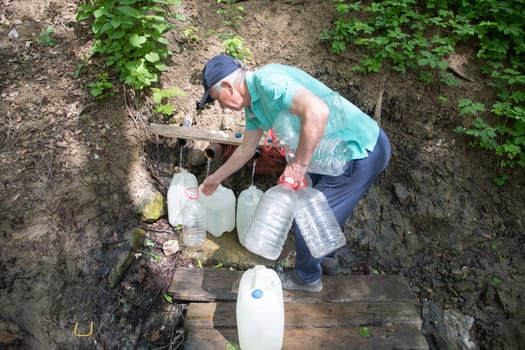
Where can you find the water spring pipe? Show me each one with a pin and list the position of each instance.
(213, 150)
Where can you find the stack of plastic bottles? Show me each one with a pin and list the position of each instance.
(330, 155)
(273, 217)
(188, 207)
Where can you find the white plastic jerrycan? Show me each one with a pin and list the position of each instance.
(177, 198)
(220, 210)
(260, 310)
(246, 205)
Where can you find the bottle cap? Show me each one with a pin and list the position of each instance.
(257, 294)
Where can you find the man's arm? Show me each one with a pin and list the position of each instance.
(239, 157)
(314, 115)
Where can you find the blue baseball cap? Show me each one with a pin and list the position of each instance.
(215, 70)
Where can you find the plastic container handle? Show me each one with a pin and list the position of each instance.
(289, 181)
(192, 192)
(271, 141)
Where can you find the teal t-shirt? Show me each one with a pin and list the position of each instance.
(272, 89)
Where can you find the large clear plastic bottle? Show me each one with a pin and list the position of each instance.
(177, 195)
(329, 158)
(316, 220)
(246, 205)
(271, 222)
(330, 155)
(193, 219)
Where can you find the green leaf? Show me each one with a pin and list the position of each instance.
(364, 331)
(152, 57)
(136, 40)
(129, 11)
(232, 346)
(116, 22)
(176, 91)
(161, 67)
(168, 298)
(165, 109)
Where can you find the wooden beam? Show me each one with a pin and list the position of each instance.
(222, 284)
(319, 315)
(379, 338)
(212, 136)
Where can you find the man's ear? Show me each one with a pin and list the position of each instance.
(227, 86)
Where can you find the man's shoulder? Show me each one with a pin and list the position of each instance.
(276, 68)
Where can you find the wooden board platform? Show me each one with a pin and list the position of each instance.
(212, 136)
(331, 319)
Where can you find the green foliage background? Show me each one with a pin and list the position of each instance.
(414, 35)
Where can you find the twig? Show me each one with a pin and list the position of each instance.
(379, 103)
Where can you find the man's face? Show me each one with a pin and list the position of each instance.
(229, 97)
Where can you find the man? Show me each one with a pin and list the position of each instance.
(265, 94)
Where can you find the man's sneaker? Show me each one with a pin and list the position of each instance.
(330, 266)
(290, 281)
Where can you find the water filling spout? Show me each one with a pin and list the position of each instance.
(214, 150)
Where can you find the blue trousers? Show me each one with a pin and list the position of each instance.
(342, 192)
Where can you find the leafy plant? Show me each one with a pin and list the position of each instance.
(46, 37)
(129, 33)
(189, 33)
(235, 47)
(161, 99)
(232, 14)
(101, 88)
(414, 35)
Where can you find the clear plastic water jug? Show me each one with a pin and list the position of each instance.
(330, 155)
(220, 210)
(329, 158)
(193, 219)
(267, 231)
(177, 195)
(246, 205)
(260, 310)
(316, 220)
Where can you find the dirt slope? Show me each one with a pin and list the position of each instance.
(73, 170)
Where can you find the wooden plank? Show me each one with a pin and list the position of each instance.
(204, 284)
(319, 315)
(381, 338)
(221, 284)
(174, 131)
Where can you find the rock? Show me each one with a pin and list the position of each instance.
(170, 247)
(125, 255)
(402, 194)
(13, 35)
(151, 207)
(450, 328)
(458, 328)
(10, 333)
(465, 286)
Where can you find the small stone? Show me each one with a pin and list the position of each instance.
(170, 247)
(13, 35)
